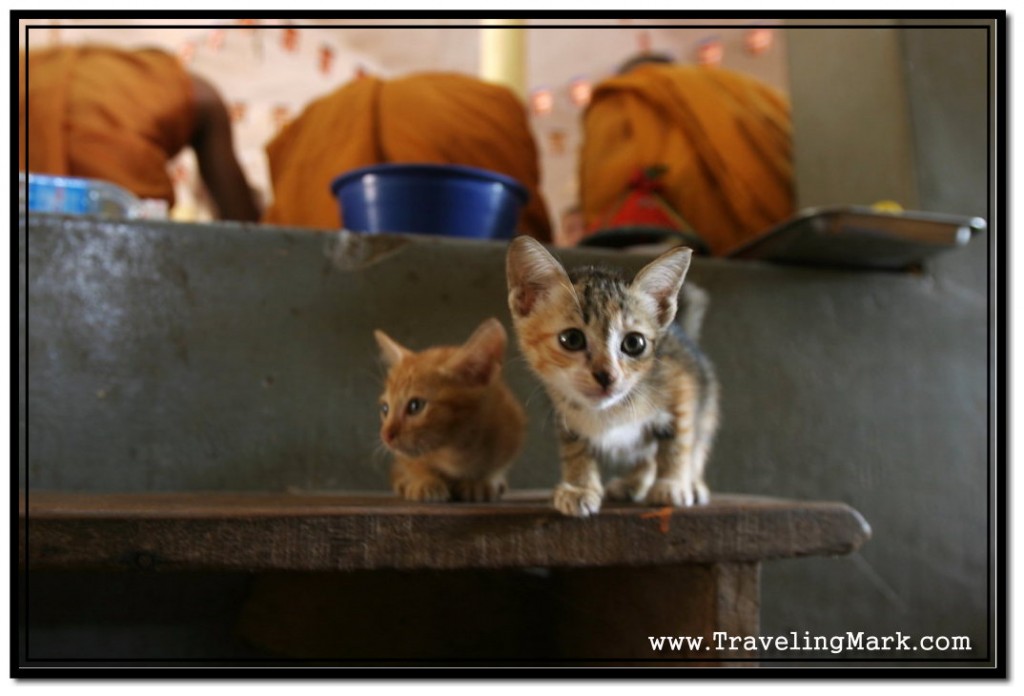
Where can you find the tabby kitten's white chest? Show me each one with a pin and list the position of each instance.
(623, 445)
(629, 387)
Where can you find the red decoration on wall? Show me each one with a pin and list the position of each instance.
(643, 41)
(280, 115)
(237, 110)
(579, 91)
(759, 40)
(710, 51)
(290, 39)
(556, 139)
(326, 58)
(542, 101)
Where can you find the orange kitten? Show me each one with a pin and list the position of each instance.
(449, 418)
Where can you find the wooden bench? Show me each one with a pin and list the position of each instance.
(610, 582)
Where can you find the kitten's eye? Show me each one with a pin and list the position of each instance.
(383, 409)
(572, 339)
(415, 406)
(634, 344)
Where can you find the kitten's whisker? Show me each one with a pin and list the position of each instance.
(516, 358)
(380, 451)
(539, 389)
(572, 289)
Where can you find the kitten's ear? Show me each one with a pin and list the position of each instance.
(532, 273)
(661, 280)
(391, 351)
(480, 357)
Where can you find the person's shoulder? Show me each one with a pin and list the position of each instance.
(644, 60)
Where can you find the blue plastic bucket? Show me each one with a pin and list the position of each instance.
(438, 199)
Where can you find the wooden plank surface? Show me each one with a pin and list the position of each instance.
(319, 531)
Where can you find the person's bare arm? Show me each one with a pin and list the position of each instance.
(218, 166)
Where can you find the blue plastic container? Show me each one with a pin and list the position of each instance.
(69, 195)
(437, 199)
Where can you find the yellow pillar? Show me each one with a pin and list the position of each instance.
(503, 53)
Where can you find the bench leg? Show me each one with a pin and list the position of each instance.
(613, 613)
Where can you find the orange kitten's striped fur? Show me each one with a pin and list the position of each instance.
(629, 387)
(448, 417)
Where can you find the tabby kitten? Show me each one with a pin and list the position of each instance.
(629, 387)
(449, 418)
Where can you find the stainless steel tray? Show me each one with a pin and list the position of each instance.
(861, 237)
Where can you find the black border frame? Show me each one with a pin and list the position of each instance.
(829, 668)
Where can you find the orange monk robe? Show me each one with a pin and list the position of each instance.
(105, 113)
(436, 118)
(724, 138)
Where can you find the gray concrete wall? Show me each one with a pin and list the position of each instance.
(852, 142)
(894, 112)
(901, 113)
(166, 357)
(949, 86)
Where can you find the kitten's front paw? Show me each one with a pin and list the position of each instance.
(625, 488)
(575, 501)
(480, 491)
(701, 492)
(428, 490)
(670, 492)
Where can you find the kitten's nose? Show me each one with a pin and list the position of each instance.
(603, 378)
(389, 435)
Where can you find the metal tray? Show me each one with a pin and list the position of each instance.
(861, 237)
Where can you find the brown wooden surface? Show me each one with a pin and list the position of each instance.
(610, 613)
(270, 531)
(596, 616)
